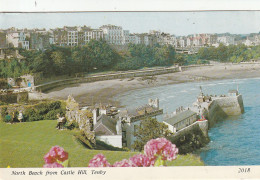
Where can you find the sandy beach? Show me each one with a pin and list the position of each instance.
(104, 91)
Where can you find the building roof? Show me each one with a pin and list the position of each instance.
(105, 125)
(138, 111)
(179, 117)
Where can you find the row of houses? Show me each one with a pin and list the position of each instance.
(80, 35)
(118, 128)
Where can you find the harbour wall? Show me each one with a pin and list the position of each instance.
(195, 135)
(223, 107)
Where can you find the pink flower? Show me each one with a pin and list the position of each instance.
(160, 147)
(49, 159)
(53, 165)
(123, 163)
(56, 153)
(99, 160)
(140, 160)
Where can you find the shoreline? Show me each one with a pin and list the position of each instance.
(106, 91)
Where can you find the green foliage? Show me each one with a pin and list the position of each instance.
(95, 56)
(149, 129)
(3, 112)
(44, 110)
(140, 56)
(231, 53)
(81, 137)
(3, 83)
(31, 115)
(71, 125)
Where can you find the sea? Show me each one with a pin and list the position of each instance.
(234, 140)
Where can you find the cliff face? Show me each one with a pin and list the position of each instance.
(191, 138)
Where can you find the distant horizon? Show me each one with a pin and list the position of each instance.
(174, 23)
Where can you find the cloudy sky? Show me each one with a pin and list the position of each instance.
(178, 23)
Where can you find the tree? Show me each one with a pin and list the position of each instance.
(149, 129)
(59, 61)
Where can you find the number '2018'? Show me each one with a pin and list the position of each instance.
(243, 170)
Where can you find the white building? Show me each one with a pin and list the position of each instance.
(113, 34)
(180, 120)
(131, 118)
(134, 39)
(257, 39)
(18, 39)
(86, 34)
(226, 40)
(125, 39)
(107, 129)
(72, 36)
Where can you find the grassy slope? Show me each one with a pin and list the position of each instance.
(25, 144)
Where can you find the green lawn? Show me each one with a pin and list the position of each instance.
(25, 144)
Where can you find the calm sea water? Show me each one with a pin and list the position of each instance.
(234, 140)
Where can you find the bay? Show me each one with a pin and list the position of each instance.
(234, 140)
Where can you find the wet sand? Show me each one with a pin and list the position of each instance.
(104, 91)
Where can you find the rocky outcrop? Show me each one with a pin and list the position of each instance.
(82, 118)
(191, 138)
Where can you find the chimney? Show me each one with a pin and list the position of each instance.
(118, 127)
(95, 113)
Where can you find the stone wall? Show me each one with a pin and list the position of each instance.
(232, 106)
(14, 97)
(213, 113)
(204, 126)
(74, 114)
(223, 107)
(192, 137)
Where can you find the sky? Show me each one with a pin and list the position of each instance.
(177, 23)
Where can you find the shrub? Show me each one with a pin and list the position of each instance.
(52, 115)
(44, 110)
(83, 140)
(71, 125)
(3, 112)
(31, 115)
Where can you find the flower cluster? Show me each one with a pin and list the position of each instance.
(160, 147)
(123, 163)
(55, 157)
(141, 160)
(156, 152)
(99, 160)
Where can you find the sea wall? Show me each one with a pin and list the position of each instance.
(109, 76)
